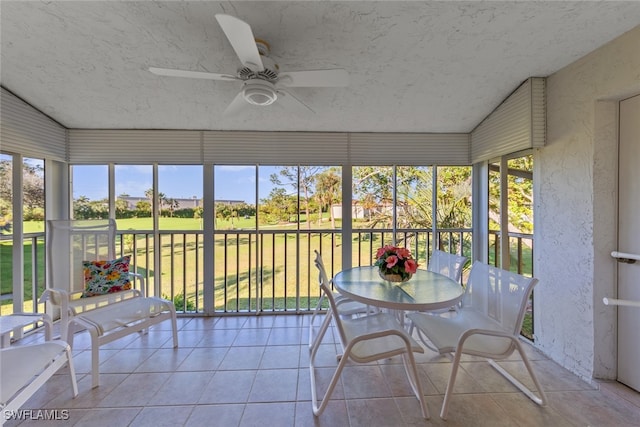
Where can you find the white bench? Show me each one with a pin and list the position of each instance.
(115, 320)
(72, 304)
(106, 317)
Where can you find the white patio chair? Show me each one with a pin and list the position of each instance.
(365, 339)
(346, 306)
(26, 368)
(487, 325)
(447, 264)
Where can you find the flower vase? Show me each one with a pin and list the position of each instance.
(397, 278)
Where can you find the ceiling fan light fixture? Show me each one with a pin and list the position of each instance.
(259, 92)
(262, 81)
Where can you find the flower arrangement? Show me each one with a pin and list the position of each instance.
(395, 264)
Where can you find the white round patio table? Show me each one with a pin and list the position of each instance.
(426, 290)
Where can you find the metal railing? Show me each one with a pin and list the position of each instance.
(33, 273)
(262, 270)
(258, 270)
(520, 250)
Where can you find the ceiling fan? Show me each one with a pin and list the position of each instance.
(262, 81)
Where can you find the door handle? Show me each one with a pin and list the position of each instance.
(625, 257)
(626, 302)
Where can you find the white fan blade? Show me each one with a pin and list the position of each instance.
(315, 78)
(290, 102)
(241, 38)
(191, 74)
(237, 105)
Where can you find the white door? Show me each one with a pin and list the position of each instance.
(629, 242)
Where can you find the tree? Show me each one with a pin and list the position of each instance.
(82, 208)
(520, 197)
(223, 211)
(245, 210)
(197, 212)
(173, 205)
(6, 182)
(278, 207)
(32, 189)
(303, 186)
(414, 195)
(143, 209)
(327, 192)
(454, 197)
(162, 199)
(6, 195)
(122, 207)
(376, 181)
(368, 203)
(100, 209)
(373, 188)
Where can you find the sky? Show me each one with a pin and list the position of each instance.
(230, 182)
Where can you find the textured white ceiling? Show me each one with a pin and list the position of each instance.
(414, 66)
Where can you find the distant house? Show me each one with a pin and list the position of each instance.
(357, 210)
(360, 212)
(228, 202)
(193, 202)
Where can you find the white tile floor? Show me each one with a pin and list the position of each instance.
(253, 371)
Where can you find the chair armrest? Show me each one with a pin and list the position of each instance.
(140, 277)
(385, 333)
(498, 347)
(58, 297)
(490, 332)
(54, 296)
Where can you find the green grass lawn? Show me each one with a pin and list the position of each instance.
(6, 273)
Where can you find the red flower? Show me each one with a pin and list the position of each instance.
(411, 266)
(403, 253)
(391, 261)
(388, 248)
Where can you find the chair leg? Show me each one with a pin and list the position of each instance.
(315, 342)
(174, 328)
(424, 339)
(313, 319)
(72, 372)
(450, 384)
(318, 409)
(314, 346)
(95, 358)
(414, 381)
(542, 400)
(65, 326)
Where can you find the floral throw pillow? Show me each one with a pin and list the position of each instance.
(104, 277)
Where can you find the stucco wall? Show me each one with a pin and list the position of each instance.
(575, 196)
